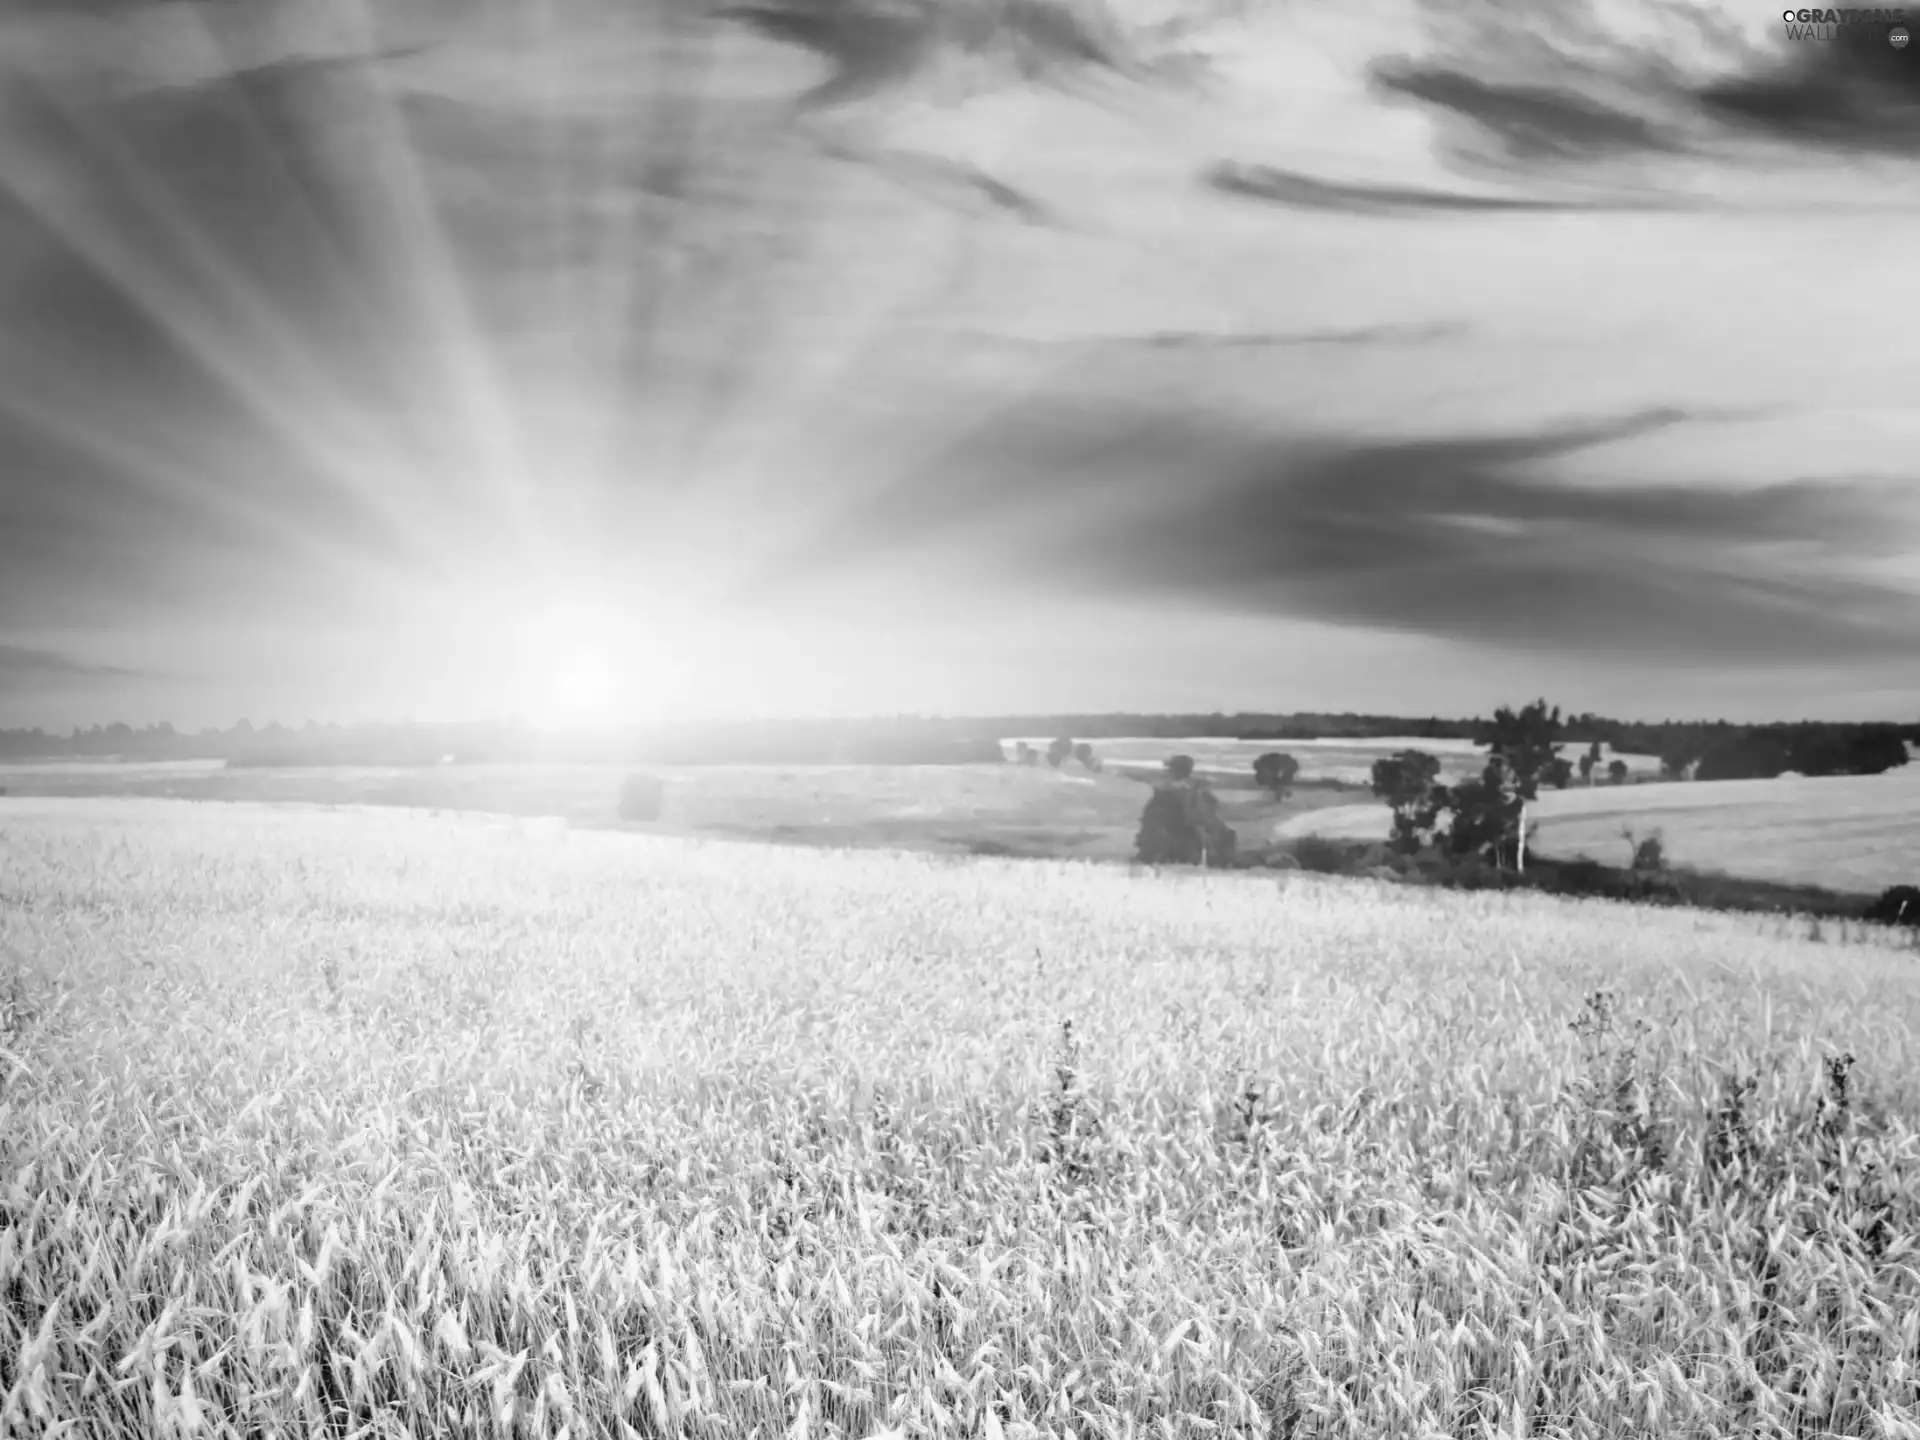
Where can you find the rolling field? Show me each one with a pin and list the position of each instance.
(397, 1124)
(1852, 832)
(960, 809)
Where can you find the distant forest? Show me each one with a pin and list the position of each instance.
(1706, 750)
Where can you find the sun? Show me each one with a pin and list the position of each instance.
(569, 666)
(583, 664)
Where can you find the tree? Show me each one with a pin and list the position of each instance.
(1180, 767)
(1274, 772)
(1522, 750)
(1083, 752)
(1897, 905)
(1486, 814)
(1060, 751)
(1588, 761)
(1747, 756)
(1409, 782)
(1875, 751)
(1025, 754)
(1181, 825)
(1617, 771)
(1674, 762)
(1528, 743)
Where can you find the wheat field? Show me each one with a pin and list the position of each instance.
(370, 1122)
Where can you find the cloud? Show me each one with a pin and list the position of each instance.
(22, 666)
(1531, 122)
(1474, 539)
(1850, 91)
(1303, 192)
(1544, 88)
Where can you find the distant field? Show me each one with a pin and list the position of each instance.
(998, 809)
(1855, 832)
(1349, 762)
(367, 1122)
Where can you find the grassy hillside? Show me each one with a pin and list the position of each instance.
(312, 1115)
(1855, 832)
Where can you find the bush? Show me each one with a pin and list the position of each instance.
(1474, 873)
(1897, 905)
(1060, 751)
(1322, 856)
(1649, 854)
(1582, 875)
(641, 797)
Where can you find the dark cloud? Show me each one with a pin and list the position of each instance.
(872, 45)
(24, 666)
(1539, 87)
(1213, 340)
(1850, 91)
(1532, 122)
(1303, 192)
(868, 47)
(1476, 539)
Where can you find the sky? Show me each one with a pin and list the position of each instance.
(590, 362)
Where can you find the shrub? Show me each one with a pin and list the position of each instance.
(641, 797)
(1060, 751)
(1582, 875)
(1617, 772)
(1473, 873)
(1897, 905)
(1083, 752)
(1649, 854)
(1321, 855)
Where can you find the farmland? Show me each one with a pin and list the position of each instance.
(413, 1124)
(1850, 833)
(994, 809)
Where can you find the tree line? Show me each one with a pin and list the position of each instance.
(1706, 750)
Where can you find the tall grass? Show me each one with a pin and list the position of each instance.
(333, 1122)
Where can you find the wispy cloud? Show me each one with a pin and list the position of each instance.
(1533, 122)
(1304, 192)
(1477, 539)
(23, 667)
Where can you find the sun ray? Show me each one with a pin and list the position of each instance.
(303, 416)
(433, 276)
